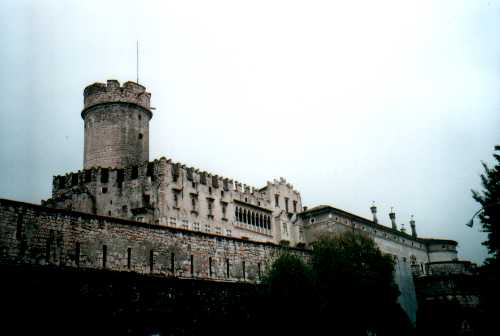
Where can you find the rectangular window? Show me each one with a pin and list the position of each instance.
(104, 175)
(243, 269)
(224, 209)
(151, 260)
(196, 226)
(228, 233)
(135, 172)
(294, 206)
(192, 265)
(74, 179)
(185, 224)
(104, 255)
(210, 266)
(286, 204)
(88, 176)
(129, 257)
(19, 228)
(210, 204)
(227, 268)
(120, 177)
(276, 200)
(77, 255)
(172, 263)
(172, 221)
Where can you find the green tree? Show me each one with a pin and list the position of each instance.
(489, 199)
(357, 285)
(348, 289)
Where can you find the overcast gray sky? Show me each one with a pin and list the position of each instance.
(395, 102)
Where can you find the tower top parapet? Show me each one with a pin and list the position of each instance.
(130, 92)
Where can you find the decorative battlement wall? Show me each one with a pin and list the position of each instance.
(31, 234)
(130, 92)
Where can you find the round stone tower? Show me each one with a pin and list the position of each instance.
(116, 124)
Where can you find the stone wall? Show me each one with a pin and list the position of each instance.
(31, 234)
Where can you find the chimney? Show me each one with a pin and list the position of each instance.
(392, 216)
(373, 208)
(413, 230)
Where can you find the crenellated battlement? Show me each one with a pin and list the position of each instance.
(130, 92)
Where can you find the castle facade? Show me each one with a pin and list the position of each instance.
(183, 221)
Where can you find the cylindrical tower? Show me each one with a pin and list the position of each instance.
(116, 124)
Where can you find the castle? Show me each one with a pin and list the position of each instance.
(125, 212)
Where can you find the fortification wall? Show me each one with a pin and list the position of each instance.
(43, 236)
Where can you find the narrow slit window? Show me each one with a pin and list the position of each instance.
(77, 254)
(104, 255)
(192, 265)
(210, 266)
(151, 260)
(129, 257)
(172, 263)
(227, 268)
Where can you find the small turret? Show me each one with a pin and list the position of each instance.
(392, 216)
(373, 208)
(403, 229)
(413, 230)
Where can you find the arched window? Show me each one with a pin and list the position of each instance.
(269, 222)
(245, 216)
(261, 221)
(236, 213)
(253, 218)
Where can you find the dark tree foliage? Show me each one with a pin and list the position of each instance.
(489, 199)
(349, 289)
(356, 284)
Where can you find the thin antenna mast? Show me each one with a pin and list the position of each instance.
(137, 58)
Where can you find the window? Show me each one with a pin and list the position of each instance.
(74, 179)
(218, 230)
(120, 176)
(210, 204)
(295, 207)
(185, 224)
(104, 175)
(224, 208)
(104, 255)
(286, 204)
(77, 255)
(176, 199)
(104, 190)
(207, 228)
(151, 260)
(193, 203)
(135, 172)
(222, 193)
(173, 221)
(196, 226)
(140, 136)
(88, 176)
(228, 232)
(276, 200)
(129, 257)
